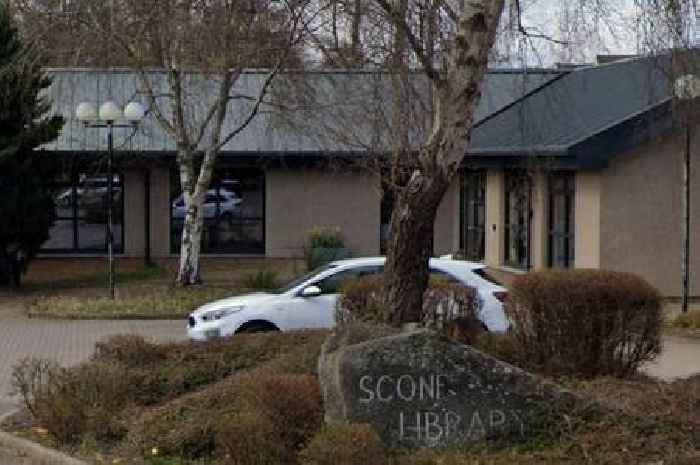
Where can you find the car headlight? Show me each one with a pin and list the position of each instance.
(220, 313)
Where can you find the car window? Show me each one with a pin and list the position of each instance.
(481, 272)
(334, 284)
(305, 277)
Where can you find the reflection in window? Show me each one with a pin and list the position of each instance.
(473, 214)
(234, 212)
(561, 220)
(81, 214)
(517, 219)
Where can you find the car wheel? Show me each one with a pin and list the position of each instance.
(257, 327)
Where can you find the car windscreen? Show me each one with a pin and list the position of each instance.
(296, 281)
(481, 272)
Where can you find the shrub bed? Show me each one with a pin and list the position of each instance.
(267, 410)
(126, 372)
(585, 322)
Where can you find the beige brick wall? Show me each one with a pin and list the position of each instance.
(299, 199)
(640, 214)
(160, 212)
(134, 213)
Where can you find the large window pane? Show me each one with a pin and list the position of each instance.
(517, 219)
(233, 212)
(60, 236)
(561, 220)
(81, 210)
(473, 214)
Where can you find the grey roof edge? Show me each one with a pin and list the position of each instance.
(624, 136)
(575, 149)
(319, 71)
(629, 117)
(537, 89)
(536, 150)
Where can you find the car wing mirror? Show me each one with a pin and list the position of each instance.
(311, 291)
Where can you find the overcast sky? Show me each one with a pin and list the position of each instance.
(590, 27)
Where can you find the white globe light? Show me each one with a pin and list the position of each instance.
(109, 111)
(86, 112)
(134, 112)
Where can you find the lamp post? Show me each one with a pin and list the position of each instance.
(110, 116)
(686, 88)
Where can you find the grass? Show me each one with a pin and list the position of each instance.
(72, 289)
(140, 302)
(95, 279)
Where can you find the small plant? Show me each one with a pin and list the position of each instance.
(345, 444)
(261, 280)
(323, 245)
(325, 238)
(585, 322)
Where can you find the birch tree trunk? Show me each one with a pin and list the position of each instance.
(423, 182)
(195, 184)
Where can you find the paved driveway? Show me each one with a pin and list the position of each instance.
(69, 342)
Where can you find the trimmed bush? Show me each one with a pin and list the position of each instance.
(345, 444)
(292, 402)
(89, 399)
(443, 301)
(585, 322)
(250, 439)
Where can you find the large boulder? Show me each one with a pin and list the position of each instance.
(418, 389)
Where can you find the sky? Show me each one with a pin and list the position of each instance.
(590, 27)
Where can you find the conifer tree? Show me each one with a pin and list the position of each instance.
(26, 204)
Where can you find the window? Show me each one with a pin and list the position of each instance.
(517, 219)
(562, 188)
(80, 200)
(473, 215)
(234, 212)
(335, 283)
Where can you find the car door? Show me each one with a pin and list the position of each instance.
(319, 311)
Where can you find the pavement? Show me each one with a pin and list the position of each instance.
(680, 358)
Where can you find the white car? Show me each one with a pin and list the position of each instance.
(309, 301)
(218, 204)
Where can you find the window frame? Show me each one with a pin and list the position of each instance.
(468, 214)
(73, 183)
(218, 183)
(517, 180)
(569, 234)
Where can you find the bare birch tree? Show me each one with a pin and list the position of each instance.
(203, 49)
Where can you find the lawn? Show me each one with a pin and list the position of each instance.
(142, 301)
(76, 289)
(254, 399)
